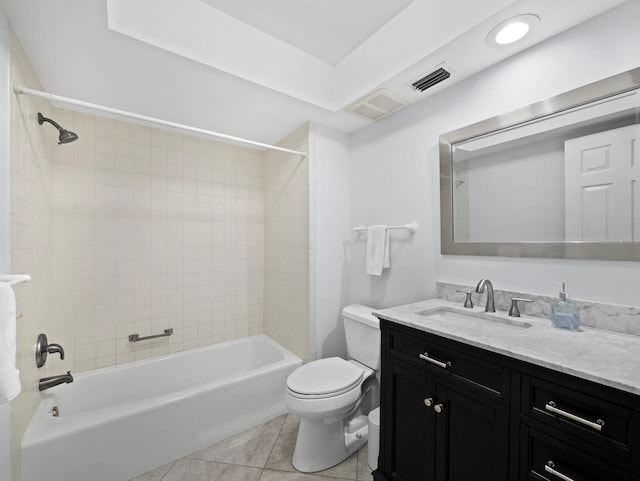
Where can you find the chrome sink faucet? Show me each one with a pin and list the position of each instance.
(490, 306)
(48, 382)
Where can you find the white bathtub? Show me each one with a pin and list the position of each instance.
(119, 422)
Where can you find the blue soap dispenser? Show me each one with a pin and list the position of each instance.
(564, 312)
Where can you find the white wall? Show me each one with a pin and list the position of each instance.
(395, 174)
(332, 238)
(530, 209)
(5, 410)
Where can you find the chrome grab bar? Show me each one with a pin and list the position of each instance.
(425, 357)
(551, 407)
(136, 337)
(549, 468)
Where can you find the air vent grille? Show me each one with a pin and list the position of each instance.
(430, 80)
(377, 105)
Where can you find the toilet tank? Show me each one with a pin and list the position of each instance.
(362, 330)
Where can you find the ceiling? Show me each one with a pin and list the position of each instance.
(307, 24)
(259, 69)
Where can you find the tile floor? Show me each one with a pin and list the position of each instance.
(262, 453)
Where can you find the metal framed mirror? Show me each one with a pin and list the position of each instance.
(559, 178)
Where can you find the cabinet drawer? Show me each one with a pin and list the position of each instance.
(446, 360)
(571, 408)
(544, 458)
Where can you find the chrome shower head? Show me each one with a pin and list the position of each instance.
(65, 136)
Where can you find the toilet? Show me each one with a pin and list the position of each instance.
(333, 396)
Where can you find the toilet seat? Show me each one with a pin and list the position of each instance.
(324, 378)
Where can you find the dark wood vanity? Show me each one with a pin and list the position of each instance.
(455, 412)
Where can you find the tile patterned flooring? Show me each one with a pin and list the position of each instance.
(262, 453)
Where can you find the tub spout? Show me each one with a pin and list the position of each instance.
(47, 382)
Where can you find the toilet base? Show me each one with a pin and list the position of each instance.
(321, 445)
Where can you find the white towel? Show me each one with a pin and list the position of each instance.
(377, 249)
(9, 375)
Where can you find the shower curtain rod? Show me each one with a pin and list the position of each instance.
(122, 113)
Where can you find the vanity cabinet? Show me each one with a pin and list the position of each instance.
(444, 418)
(455, 412)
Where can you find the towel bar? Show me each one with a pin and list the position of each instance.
(411, 227)
(13, 279)
(136, 337)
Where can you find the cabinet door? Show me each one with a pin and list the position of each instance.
(410, 442)
(473, 441)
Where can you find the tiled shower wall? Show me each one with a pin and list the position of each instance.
(287, 317)
(30, 237)
(153, 230)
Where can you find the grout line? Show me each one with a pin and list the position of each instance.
(275, 442)
(165, 474)
(262, 469)
(308, 476)
(170, 468)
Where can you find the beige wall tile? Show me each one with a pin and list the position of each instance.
(157, 240)
(286, 247)
(31, 184)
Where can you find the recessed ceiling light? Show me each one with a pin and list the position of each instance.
(512, 30)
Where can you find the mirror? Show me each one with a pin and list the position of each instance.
(559, 178)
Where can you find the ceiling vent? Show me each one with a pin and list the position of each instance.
(431, 79)
(377, 105)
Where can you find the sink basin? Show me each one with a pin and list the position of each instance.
(473, 320)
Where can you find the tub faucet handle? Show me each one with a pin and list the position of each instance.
(55, 348)
(43, 348)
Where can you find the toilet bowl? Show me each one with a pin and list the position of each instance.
(325, 388)
(334, 396)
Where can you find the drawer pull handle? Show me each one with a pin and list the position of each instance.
(438, 408)
(549, 469)
(551, 407)
(428, 402)
(425, 357)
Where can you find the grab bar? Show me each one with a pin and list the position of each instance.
(136, 337)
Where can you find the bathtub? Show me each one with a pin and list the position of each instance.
(119, 422)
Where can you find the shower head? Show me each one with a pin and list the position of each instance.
(65, 136)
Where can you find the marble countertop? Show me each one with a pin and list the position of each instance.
(605, 357)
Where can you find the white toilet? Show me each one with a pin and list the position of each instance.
(333, 397)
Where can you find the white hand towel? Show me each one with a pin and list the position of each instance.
(9, 375)
(378, 257)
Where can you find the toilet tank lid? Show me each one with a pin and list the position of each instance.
(361, 313)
